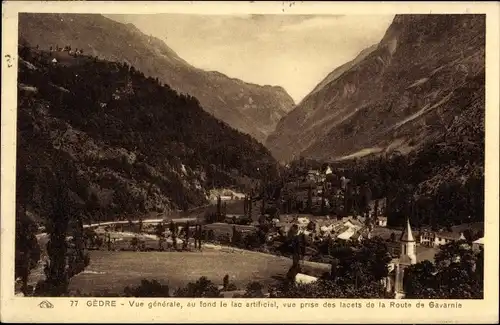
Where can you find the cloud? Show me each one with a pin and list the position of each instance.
(312, 23)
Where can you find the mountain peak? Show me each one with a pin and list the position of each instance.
(395, 95)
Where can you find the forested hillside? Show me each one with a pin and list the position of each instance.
(119, 142)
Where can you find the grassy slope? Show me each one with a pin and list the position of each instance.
(113, 271)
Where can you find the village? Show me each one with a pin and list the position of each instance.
(268, 222)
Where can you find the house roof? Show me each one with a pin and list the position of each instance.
(356, 236)
(479, 241)
(407, 235)
(346, 234)
(448, 235)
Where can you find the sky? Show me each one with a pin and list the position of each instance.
(292, 51)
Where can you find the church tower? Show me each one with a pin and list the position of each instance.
(407, 257)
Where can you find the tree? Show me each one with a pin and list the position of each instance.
(236, 237)
(323, 202)
(456, 274)
(173, 231)
(254, 290)
(160, 233)
(78, 258)
(108, 238)
(56, 276)
(27, 248)
(245, 205)
(140, 224)
(329, 289)
(419, 280)
(148, 288)
(188, 233)
(90, 238)
(219, 208)
(202, 288)
(250, 206)
(309, 199)
(134, 243)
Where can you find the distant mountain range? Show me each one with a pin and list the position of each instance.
(249, 108)
(424, 81)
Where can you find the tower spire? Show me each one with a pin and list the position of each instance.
(407, 235)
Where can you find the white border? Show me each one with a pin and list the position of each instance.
(15, 309)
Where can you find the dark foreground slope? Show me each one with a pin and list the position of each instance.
(425, 74)
(249, 108)
(120, 142)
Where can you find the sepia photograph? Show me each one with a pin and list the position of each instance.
(182, 155)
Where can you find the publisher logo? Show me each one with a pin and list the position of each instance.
(45, 304)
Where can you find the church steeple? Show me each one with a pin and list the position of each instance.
(407, 235)
(407, 257)
(408, 246)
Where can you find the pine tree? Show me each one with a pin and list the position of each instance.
(57, 280)
(173, 230)
(309, 199)
(219, 208)
(250, 207)
(186, 243)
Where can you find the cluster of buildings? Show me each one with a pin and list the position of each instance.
(62, 51)
(320, 228)
(66, 49)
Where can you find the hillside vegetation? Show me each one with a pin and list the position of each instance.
(119, 142)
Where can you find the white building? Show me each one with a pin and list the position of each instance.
(382, 221)
(478, 244)
(434, 239)
(301, 278)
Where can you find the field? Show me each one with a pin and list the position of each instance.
(111, 272)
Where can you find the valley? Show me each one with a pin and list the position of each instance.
(140, 175)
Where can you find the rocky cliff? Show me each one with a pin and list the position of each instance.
(419, 83)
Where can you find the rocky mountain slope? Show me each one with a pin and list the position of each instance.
(118, 142)
(249, 108)
(423, 81)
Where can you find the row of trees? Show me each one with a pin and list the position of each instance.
(174, 232)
